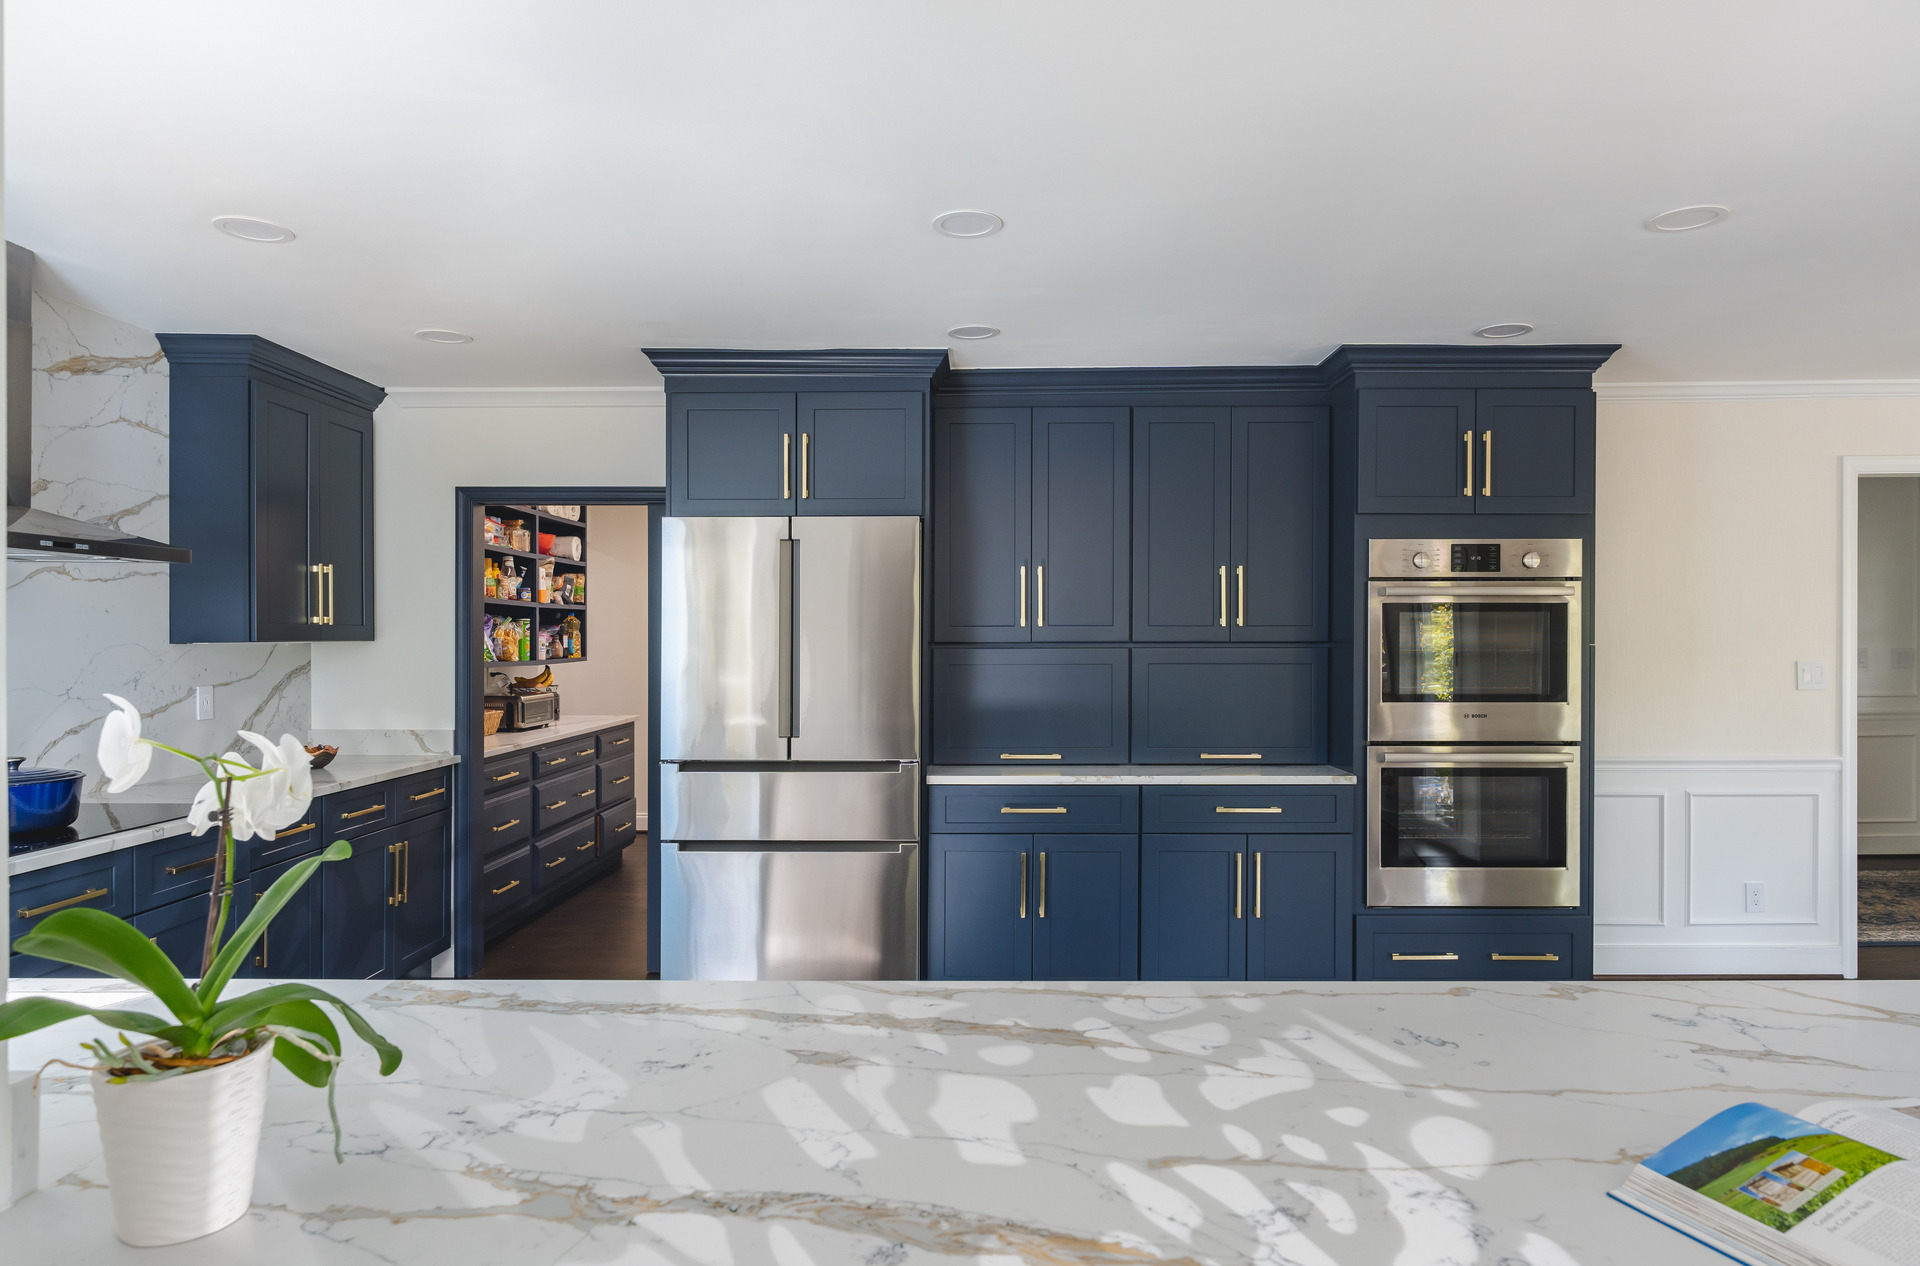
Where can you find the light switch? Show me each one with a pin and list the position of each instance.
(1756, 898)
(1863, 657)
(1810, 674)
(203, 703)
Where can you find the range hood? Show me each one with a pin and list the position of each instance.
(34, 535)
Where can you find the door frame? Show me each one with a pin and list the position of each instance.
(1852, 471)
(469, 933)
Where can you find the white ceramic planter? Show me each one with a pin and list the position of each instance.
(180, 1151)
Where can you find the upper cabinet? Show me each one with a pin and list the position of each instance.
(796, 433)
(1230, 524)
(1030, 524)
(272, 489)
(1484, 451)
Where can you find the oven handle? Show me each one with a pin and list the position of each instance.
(1491, 758)
(1519, 592)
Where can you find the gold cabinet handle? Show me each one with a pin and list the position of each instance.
(1227, 808)
(361, 813)
(319, 615)
(406, 871)
(804, 437)
(623, 778)
(1486, 475)
(622, 742)
(1040, 596)
(511, 773)
(507, 825)
(511, 885)
(1425, 958)
(393, 897)
(1043, 886)
(88, 895)
(558, 805)
(1223, 596)
(293, 830)
(624, 826)
(181, 870)
(1229, 756)
(1023, 595)
(1023, 885)
(1238, 884)
(584, 847)
(1468, 490)
(428, 795)
(584, 794)
(1029, 756)
(332, 610)
(558, 760)
(1240, 579)
(1007, 808)
(1525, 958)
(588, 752)
(560, 860)
(1257, 858)
(786, 465)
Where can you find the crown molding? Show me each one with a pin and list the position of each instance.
(527, 397)
(720, 362)
(1785, 389)
(224, 355)
(1080, 382)
(1351, 358)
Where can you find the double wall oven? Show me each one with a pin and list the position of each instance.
(1474, 722)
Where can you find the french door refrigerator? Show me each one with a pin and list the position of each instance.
(789, 748)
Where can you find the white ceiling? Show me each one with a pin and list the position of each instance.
(1218, 183)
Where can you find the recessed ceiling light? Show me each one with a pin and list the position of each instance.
(1680, 219)
(1509, 329)
(968, 223)
(250, 229)
(972, 331)
(443, 336)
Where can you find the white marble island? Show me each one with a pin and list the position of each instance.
(1065, 1124)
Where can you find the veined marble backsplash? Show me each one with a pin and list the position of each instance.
(78, 629)
(387, 742)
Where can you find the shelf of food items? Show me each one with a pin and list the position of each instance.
(531, 562)
(506, 639)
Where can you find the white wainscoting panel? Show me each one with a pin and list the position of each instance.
(1675, 844)
(1889, 781)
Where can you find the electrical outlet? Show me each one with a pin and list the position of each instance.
(203, 703)
(1756, 898)
(1810, 674)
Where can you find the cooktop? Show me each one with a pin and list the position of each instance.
(97, 819)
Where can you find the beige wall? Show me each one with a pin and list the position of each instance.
(614, 677)
(1718, 565)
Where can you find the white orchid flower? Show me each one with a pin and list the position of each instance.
(280, 797)
(124, 755)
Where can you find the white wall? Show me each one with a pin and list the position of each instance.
(1889, 721)
(1718, 541)
(399, 688)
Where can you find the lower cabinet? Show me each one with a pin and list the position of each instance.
(1033, 907)
(386, 906)
(420, 921)
(290, 947)
(179, 928)
(1245, 907)
(1477, 946)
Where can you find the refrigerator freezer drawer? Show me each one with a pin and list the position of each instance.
(879, 803)
(794, 912)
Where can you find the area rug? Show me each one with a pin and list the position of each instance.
(1889, 906)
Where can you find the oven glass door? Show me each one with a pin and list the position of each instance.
(1473, 827)
(1475, 663)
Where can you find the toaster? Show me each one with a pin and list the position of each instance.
(528, 709)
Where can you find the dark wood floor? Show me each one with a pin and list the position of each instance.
(1889, 962)
(599, 933)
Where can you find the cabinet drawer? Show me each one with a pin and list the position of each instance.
(180, 928)
(559, 857)
(1025, 810)
(617, 779)
(561, 758)
(505, 820)
(560, 800)
(170, 870)
(619, 825)
(353, 813)
(420, 794)
(1229, 705)
(617, 742)
(505, 884)
(1474, 948)
(506, 771)
(1034, 706)
(298, 840)
(96, 883)
(1247, 810)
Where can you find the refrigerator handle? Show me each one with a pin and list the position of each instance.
(786, 634)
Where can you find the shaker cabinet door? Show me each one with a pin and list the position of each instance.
(1080, 525)
(288, 595)
(982, 525)
(354, 944)
(1086, 922)
(421, 917)
(1280, 525)
(1225, 706)
(859, 452)
(342, 532)
(1182, 495)
(732, 453)
(1536, 452)
(1193, 906)
(290, 947)
(1299, 928)
(1414, 448)
(980, 907)
(1029, 706)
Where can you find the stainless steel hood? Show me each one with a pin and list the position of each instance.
(33, 535)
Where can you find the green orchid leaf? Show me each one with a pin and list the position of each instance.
(28, 1015)
(235, 951)
(102, 942)
(244, 1012)
(304, 1015)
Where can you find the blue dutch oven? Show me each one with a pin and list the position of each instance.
(41, 799)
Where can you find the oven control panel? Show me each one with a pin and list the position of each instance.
(1514, 559)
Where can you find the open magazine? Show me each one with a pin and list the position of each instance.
(1830, 1187)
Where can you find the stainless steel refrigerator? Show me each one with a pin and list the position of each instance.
(790, 748)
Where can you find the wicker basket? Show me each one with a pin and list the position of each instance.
(491, 725)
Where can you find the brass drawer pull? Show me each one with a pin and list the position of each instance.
(1525, 958)
(624, 826)
(1029, 756)
(1226, 808)
(555, 862)
(181, 870)
(623, 778)
(623, 742)
(507, 825)
(511, 885)
(584, 847)
(511, 773)
(361, 813)
(558, 760)
(1229, 756)
(428, 795)
(1426, 958)
(1007, 808)
(1023, 885)
(1239, 885)
(560, 805)
(37, 911)
(294, 830)
(1257, 884)
(588, 752)
(584, 794)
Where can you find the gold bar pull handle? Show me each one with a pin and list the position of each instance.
(1043, 886)
(804, 437)
(1256, 883)
(508, 825)
(1240, 579)
(393, 897)
(1223, 596)
(511, 885)
(332, 608)
(1525, 958)
(406, 872)
(1023, 885)
(428, 795)
(1023, 595)
(1468, 490)
(183, 869)
(1486, 475)
(1426, 958)
(318, 612)
(1029, 756)
(37, 911)
(1007, 808)
(786, 472)
(1238, 882)
(560, 860)
(1228, 808)
(361, 813)
(1040, 596)
(511, 773)
(1229, 756)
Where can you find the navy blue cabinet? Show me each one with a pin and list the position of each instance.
(1193, 904)
(1242, 704)
(1280, 525)
(982, 524)
(354, 944)
(1488, 451)
(290, 947)
(1299, 928)
(1536, 452)
(1473, 946)
(732, 452)
(1033, 704)
(1414, 448)
(1182, 523)
(978, 908)
(1086, 907)
(1080, 497)
(1042, 907)
(419, 922)
(860, 452)
(272, 490)
(96, 883)
(180, 927)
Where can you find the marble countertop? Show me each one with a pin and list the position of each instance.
(565, 728)
(1077, 1125)
(1137, 775)
(345, 773)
